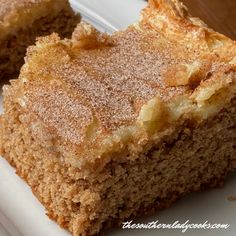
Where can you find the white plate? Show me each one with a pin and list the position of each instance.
(22, 215)
(109, 15)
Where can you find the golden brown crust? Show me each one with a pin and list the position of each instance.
(98, 94)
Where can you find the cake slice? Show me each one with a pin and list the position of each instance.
(104, 128)
(21, 21)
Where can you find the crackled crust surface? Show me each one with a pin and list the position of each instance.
(97, 94)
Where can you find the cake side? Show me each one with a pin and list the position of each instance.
(24, 22)
(189, 159)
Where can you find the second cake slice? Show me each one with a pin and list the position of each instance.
(21, 21)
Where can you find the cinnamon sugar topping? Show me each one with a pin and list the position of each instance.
(105, 80)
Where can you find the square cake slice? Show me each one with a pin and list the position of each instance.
(104, 128)
(21, 21)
